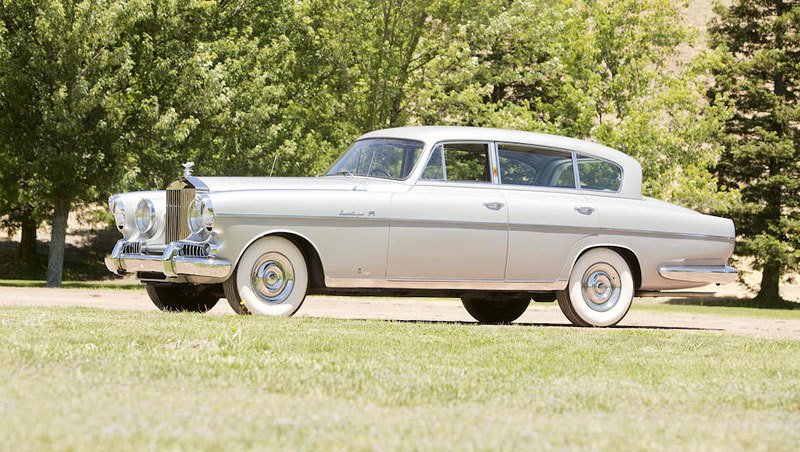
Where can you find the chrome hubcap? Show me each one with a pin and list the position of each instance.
(601, 287)
(272, 278)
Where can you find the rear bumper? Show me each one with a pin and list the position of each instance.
(699, 273)
(171, 263)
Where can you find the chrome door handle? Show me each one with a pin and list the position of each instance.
(585, 210)
(494, 205)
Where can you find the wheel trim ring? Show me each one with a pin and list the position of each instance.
(272, 278)
(601, 287)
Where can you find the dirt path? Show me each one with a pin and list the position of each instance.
(406, 309)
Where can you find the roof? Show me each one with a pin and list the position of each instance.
(632, 170)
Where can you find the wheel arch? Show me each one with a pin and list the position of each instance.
(316, 272)
(630, 258)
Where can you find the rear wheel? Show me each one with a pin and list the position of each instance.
(600, 289)
(270, 279)
(181, 297)
(496, 311)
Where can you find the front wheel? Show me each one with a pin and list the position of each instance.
(600, 289)
(270, 279)
(496, 311)
(181, 297)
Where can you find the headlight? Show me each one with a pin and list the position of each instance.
(118, 210)
(145, 217)
(201, 215)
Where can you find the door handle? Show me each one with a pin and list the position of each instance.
(585, 210)
(494, 205)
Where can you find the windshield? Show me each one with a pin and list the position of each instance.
(379, 157)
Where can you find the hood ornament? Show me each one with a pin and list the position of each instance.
(187, 169)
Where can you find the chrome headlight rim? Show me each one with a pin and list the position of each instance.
(145, 217)
(117, 208)
(201, 215)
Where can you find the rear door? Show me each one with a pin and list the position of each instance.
(547, 213)
(453, 224)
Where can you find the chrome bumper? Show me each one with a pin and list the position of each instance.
(170, 263)
(699, 273)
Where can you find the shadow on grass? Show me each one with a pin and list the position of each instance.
(72, 284)
(83, 262)
(538, 324)
(732, 302)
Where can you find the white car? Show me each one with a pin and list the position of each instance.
(494, 217)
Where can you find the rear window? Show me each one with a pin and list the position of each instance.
(528, 165)
(601, 175)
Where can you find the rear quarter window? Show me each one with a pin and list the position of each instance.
(600, 175)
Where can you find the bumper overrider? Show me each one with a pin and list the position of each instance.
(172, 262)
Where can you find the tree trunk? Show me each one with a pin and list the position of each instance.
(769, 293)
(55, 260)
(27, 244)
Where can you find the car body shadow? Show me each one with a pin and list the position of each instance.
(537, 324)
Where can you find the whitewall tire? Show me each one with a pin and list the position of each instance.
(270, 279)
(600, 289)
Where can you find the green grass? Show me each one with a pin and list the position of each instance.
(73, 284)
(717, 307)
(81, 379)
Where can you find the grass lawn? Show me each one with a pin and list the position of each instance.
(718, 307)
(73, 378)
(134, 285)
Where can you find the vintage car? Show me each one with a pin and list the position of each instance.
(494, 217)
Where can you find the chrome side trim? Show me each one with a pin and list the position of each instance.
(594, 230)
(421, 222)
(300, 216)
(454, 284)
(699, 273)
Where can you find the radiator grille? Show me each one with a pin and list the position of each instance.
(178, 200)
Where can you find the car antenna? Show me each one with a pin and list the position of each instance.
(274, 161)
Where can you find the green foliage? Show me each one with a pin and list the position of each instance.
(231, 86)
(596, 70)
(759, 42)
(64, 78)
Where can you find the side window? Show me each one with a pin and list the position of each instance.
(596, 174)
(464, 162)
(528, 165)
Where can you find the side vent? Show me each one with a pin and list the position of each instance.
(132, 248)
(195, 250)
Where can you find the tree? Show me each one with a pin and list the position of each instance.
(65, 76)
(602, 70)
(17, 210)
(760, 41)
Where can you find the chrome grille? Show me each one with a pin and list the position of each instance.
(178, 200)
(193, 250)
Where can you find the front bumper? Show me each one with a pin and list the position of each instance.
(171, 263)
(722, 274)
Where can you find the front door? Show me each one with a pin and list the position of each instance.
(453, 225)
